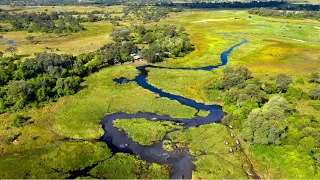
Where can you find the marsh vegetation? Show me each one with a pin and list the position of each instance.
(57, 85)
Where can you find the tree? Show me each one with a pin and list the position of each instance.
(4, 77)
(13, 50)
(18, 94)
(152, 54)
(234, 77)
(307, 144)
(315, 77)
(1, 54)
(283, 82)
(315, 93)
(67, 86)
(267, 125)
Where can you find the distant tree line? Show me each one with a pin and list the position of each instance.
(251, 4)
(42, 22)
(285, 14)
(279, 4)
(148, 14)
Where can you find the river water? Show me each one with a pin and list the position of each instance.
(180, 161)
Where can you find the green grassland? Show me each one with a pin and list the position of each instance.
(286, 162)
(305, 1)
(94, 37)
(145, 132)
(77, 117)
(54, 161)
(214, 161)
(124, 166)
(191, 84)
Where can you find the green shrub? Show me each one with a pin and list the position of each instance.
(19, 120)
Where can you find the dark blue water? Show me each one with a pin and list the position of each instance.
(180, 160)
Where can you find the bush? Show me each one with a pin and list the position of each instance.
(315, 93)
(12, 138)
(19, 120)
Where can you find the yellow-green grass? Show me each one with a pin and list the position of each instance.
(305, 1)
(54, 161)
(214, 161)
(125, 166)
(266, 54)
(274, 162)
(190, 84)
(80, 117)
(94, 37)
(143, 131)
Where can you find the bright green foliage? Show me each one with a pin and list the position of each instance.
(80, 117)
(76, 156)
(125, 166)
(204, 139)
(143, 131)
(203, 113)
(267, 125)
(315, 93)
(53, 163)
(295, 93)
(217, 167)
(283, 82)
(19, 120)
(284, 162)
(234, 77)
(315, 77)
(209, 140)
(271, 88)
(307, 144)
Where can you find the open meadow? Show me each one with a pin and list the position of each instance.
(72, 124)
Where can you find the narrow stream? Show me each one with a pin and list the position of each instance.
(180, 161)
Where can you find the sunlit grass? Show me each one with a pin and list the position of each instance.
(143, 131)
(214, 161)
(94, 37)
(190, 84)
(125, 166)
(80, 117)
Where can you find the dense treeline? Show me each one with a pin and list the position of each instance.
(279, 4)
(55, 22)
(41, 79)
(39, 2)
(286, 14)
(155, 44)
(43, 22)
(148, 14)
(251, 4)
(264, 112)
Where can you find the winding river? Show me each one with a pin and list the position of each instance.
(180, 161)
